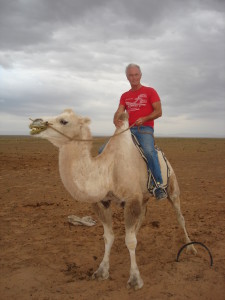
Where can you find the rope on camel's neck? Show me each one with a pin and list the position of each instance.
(91, 140)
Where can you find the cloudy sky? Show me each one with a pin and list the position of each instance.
(57, 54)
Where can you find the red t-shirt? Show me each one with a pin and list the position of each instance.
(139, 104)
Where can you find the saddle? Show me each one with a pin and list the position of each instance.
(165, 171)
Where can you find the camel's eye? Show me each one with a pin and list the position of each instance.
(63, 122)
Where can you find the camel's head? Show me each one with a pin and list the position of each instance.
(61, 129)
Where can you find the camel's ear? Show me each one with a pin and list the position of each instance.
(84, 120)
(68, 110)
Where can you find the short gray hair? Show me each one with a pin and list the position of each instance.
(132, 66)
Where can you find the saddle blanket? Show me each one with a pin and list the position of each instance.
(165, 171)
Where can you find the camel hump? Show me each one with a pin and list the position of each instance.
(123, 116)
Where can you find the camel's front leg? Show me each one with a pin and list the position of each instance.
(132, 215)
(104, 214)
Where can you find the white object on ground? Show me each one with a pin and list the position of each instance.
(87, 220)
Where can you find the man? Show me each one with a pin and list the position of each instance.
(143, 106)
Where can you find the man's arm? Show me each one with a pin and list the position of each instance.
(157, 112)
(119, 111)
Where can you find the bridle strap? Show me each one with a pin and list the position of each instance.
(49, 125)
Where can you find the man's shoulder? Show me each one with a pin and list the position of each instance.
(148, 89)
(151, 92)
(125, 94)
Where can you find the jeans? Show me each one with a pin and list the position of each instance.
(146, 140)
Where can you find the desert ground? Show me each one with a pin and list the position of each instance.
(43, 257)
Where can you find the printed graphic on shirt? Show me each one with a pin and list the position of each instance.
(134, 104)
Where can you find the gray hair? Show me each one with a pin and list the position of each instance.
(132, 66)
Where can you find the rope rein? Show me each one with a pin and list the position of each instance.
(48, 125)
(91, 140)
(86, 140)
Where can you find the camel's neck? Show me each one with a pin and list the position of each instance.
(82, 174)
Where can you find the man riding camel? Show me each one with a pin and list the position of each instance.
(143, 106)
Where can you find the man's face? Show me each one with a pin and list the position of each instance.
(134, 76)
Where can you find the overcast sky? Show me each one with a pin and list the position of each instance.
(57, 54)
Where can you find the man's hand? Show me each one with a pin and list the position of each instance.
(157, 112)
(117, 122)
(140, 121)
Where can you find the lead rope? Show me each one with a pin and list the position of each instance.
(87, 140)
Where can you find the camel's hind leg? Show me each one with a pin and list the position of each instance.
(174, 197)
(132, 215)
(103, 211)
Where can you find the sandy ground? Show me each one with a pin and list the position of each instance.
(43, 257)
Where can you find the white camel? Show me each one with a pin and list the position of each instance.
(118, 173)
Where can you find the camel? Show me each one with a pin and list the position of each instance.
(118, 174)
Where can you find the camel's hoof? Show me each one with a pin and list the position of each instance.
(101, 274)
(135, 282)
(191, 249)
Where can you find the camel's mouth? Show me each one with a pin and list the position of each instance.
(37, 126)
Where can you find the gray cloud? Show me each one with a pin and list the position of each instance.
(56, 54)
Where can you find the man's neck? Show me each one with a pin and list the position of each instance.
(136, 87)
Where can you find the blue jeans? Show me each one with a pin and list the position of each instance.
(146, 140)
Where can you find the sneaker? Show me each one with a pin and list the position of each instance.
(160, 193)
